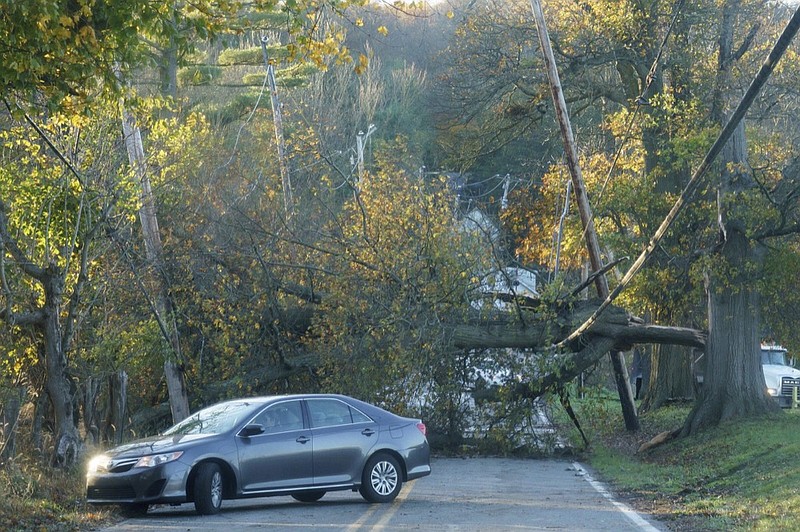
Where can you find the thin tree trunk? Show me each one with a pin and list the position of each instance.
(115, 424)
(59, 383)
(670, 376)
(8, 423)
(91, 390)
(164, 311)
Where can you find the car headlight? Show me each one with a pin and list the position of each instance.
(98, 463)
(772, 391)
(158, 459)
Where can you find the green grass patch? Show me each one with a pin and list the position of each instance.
(739, 476)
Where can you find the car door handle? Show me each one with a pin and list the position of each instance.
(367, 432)
(303, 439)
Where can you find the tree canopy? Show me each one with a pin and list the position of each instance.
(420, 154)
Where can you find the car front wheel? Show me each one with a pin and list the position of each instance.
(382, 479)
(208, 489)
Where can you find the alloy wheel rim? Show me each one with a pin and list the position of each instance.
(384, 478)
(216, 490)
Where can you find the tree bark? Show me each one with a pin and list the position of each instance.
(115, 423)
(8, 423)
(59, 383)
(163, 310)
(670, 376)
(91, 390)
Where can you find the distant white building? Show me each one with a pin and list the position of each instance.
(501, 285)
(476, 222)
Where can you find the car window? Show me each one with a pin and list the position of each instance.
(281, 417)
(330, 412)
(212, 420)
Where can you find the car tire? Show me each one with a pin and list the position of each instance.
(136, 509)
(208, 489)
(382, 478)
(308, 496)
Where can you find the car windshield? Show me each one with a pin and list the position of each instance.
(211, 420)
(776, 357)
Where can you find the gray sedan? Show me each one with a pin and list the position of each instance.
(298, 445)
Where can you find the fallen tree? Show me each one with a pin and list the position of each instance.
(615, 329)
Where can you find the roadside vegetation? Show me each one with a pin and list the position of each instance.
(34, 497)
(736, 476)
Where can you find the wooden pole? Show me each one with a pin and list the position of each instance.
(288, 200)
(584, 208)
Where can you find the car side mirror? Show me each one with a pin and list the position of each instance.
(251, 430)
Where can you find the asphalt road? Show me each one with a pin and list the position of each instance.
(494, 494)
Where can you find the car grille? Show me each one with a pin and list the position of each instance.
(787, 383)
(115, 493)
(118, 466)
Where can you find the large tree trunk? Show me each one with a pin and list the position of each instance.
(733, 384)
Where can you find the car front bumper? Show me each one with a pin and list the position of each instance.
(165, 483)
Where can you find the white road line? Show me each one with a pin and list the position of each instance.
(629, 512)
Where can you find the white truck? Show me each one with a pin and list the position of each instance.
(780, 376)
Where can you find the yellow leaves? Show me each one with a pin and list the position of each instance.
(359, 23)
(43, 23)
(383, 30)
(363, 63)
(449, 14)
(86, 35)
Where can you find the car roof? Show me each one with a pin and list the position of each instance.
(367, 408)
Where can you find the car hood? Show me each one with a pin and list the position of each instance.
(157, 444)
(776, 371)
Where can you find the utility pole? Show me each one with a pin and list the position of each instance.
(504, 201)
(277, 120)
(584, 208)
(361, 138)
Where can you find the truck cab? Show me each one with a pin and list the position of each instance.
(780, 376)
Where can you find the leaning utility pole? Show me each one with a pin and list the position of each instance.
(361, 138)
(279, 140)
(592, 244)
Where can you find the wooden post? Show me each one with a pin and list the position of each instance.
(584, 208)
(288, 200)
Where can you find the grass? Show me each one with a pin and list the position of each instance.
(738, 476)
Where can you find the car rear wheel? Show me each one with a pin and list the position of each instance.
(382, 479)
(308, 496)
(208, 489)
